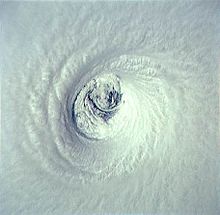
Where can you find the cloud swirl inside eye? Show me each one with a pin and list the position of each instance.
(95, 105)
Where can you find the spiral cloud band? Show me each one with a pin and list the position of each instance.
(110, 124)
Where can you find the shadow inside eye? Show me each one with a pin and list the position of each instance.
(95, 104)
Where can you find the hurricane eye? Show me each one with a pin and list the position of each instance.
(95, 105)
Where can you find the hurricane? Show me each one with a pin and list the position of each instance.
(110, 107)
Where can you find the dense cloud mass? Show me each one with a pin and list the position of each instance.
(110, 107)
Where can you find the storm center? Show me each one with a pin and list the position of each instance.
(95, 106)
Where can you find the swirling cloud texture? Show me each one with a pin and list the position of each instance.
(110, 107)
